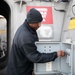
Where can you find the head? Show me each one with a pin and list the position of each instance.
(35, 26)
(34, 18)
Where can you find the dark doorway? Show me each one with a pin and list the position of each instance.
(4, 47)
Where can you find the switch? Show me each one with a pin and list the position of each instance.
(68, 60)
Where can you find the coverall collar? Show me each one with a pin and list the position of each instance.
(29, 28)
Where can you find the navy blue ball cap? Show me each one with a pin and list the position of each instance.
(34, 16)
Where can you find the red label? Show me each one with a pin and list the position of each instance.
(46, 13)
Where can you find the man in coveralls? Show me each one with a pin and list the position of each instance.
(24, 51)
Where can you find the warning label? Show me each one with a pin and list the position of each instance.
(46, 13)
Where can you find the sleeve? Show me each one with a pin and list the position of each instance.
(30, 51)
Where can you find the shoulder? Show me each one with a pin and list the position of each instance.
(25, 37)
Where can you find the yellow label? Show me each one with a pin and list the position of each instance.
(72, 24)
(2, 31)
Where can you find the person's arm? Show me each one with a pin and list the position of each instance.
(30, 51)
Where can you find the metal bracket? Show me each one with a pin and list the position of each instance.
(21, 3)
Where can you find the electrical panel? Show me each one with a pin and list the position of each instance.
(61, 65)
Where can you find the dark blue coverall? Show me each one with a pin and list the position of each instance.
(24, 52)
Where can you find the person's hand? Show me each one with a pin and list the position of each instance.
(60, 53)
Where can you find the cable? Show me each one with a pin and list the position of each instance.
(65, 0)
(73, 10)
(61, 10)
(47, 0)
